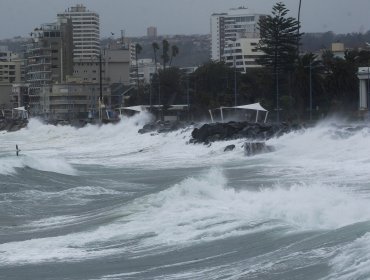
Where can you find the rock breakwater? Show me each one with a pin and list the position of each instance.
(235, 130)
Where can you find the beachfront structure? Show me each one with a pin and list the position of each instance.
(86, 31)
(229, 27)
(363, 75)
(48, 58)
(172, 113)
(250, 112)
(19, 95)
(72, 100)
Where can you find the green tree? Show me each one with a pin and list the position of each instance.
(308, 86)
(279, 36)
(255, 86)
(171, 87)
(213, 87)
(341, 82)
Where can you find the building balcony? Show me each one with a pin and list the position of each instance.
(38, 64)
(68, 102)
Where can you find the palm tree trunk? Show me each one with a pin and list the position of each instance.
(155, 60)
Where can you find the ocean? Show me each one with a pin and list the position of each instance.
(107, 203)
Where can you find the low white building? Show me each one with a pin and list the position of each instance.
(144, 71)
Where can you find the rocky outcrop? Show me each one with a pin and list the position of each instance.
(229, 148)
(236, 130)
(12, 124)
(163, 126)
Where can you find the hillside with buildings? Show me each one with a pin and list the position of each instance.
(64, 70)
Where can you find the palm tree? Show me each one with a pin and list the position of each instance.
(165, 49)
(174, 53)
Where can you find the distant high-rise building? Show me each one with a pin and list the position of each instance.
(151, 32)
(228, 28)
(86, 31)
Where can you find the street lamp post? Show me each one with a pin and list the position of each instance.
(277, 96)
(235, 98)
(187, 96)
(310, 90)
(299, 23)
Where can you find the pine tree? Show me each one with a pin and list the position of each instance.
(279, 38)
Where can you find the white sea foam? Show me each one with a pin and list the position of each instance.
(311, 171)
(197, 210)
(57, 148)
(325, 151)
(206, 209)
(352, 261)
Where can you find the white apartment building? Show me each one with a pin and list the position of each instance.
(228, 28)
(242, 54)
(86, 32)
(144, 71)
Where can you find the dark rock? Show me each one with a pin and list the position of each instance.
(11, 125)
(236, 130)
(163, 126)
(229, 148)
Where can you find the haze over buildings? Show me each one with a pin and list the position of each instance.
(67, 50)
(180, 16)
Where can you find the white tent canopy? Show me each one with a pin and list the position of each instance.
(20, 111)
(134, 108)
(255, 107)
(144, 108)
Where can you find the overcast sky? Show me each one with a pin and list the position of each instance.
(19, 17)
